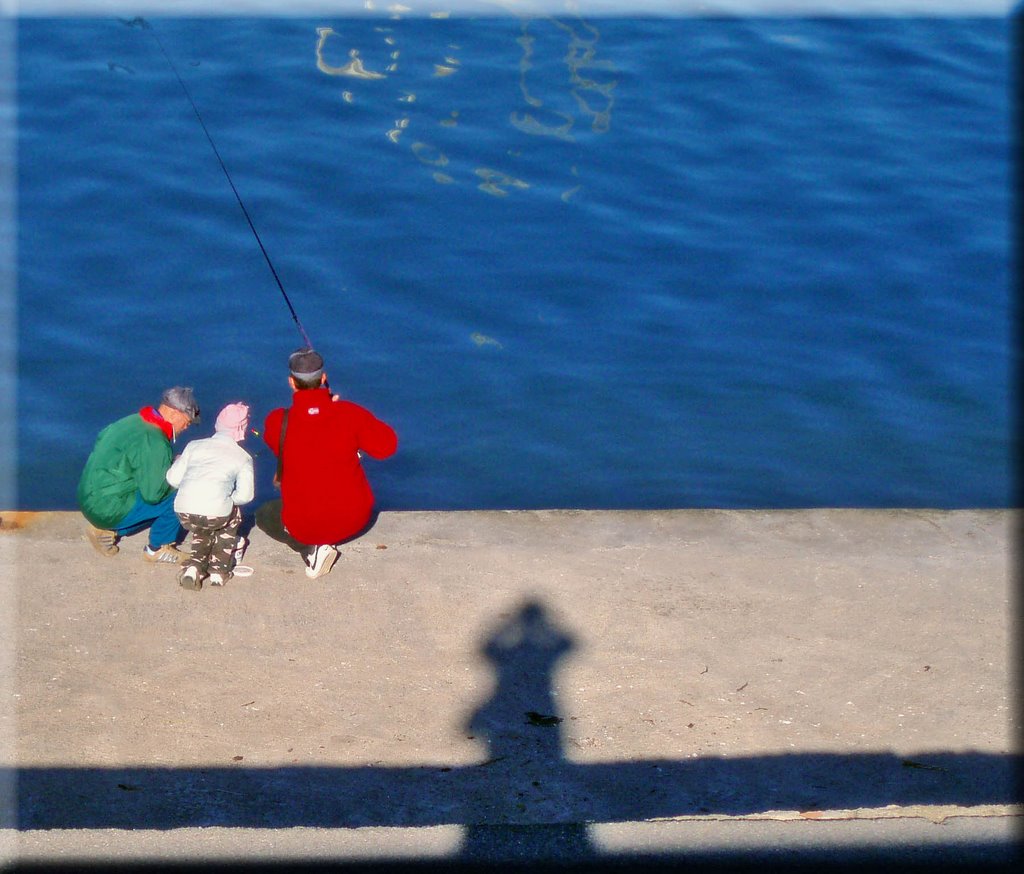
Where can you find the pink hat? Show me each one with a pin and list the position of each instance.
(233, 420)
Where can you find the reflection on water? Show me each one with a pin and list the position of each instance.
(484, 340)
(580, 55)
(496, 182)
(353, 68)
(553, 104)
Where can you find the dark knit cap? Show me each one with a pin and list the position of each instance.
(305, 364)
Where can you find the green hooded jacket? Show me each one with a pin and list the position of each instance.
(130, 456)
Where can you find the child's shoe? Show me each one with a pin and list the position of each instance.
(188, 578)
(240, 547)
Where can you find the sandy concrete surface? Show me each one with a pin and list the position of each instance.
(490, 685)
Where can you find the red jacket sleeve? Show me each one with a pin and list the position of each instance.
(272, 429)
(375, 437)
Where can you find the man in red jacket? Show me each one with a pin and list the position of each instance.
(325, 496)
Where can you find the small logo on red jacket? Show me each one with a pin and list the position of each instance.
(313, 411)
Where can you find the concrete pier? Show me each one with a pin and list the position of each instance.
(561, 686)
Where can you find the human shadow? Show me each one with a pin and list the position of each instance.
(520, 726)
(525, 801)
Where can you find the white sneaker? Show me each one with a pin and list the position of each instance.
(188, 578)
(240, 547)
(321, 560)
(218, 579)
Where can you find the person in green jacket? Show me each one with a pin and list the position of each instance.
(124, 489)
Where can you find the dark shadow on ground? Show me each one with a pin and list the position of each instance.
(951, 859)
(525, 800)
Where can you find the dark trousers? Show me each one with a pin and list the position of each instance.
(268, 520)
(213, 541)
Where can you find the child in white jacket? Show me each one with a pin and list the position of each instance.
(213, 477)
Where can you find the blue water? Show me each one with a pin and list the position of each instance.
(576, 263)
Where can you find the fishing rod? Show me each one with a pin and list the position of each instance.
(141, 22)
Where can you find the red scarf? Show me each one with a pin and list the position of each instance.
(154, 418)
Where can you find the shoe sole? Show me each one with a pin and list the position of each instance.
(189, 583)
